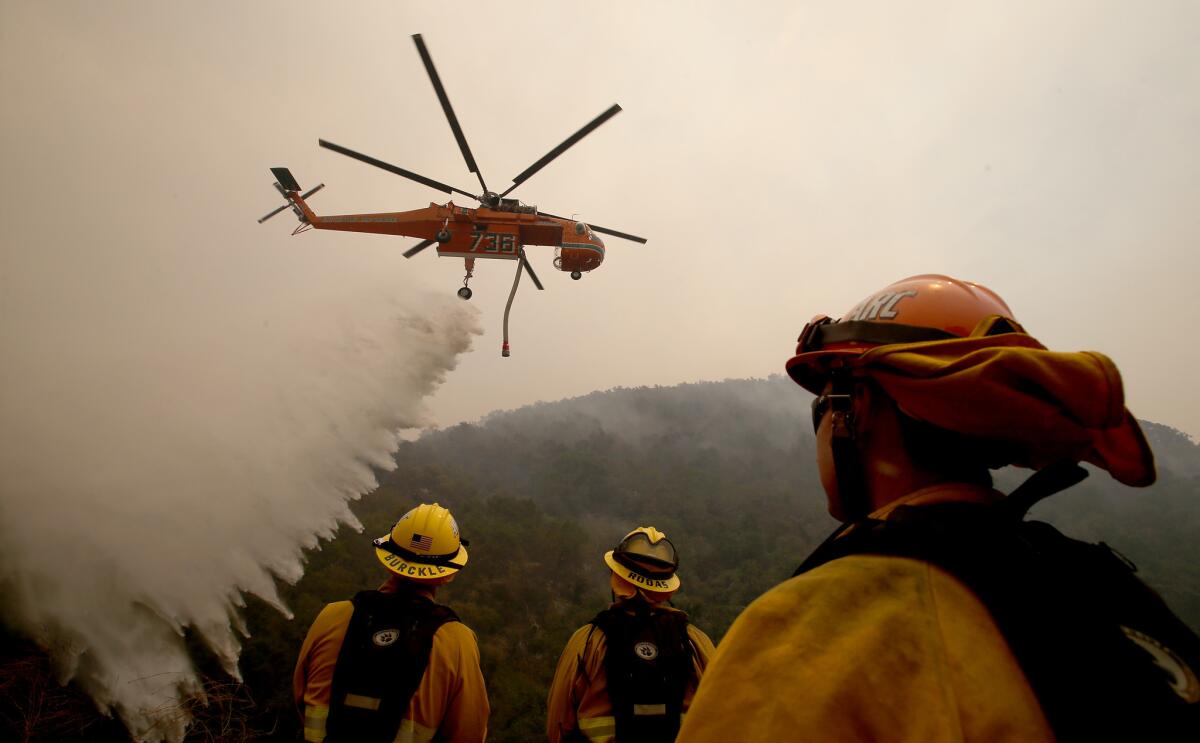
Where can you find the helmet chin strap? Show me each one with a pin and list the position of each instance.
(847, 464)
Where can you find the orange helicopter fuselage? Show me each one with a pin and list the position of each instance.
(477, 233)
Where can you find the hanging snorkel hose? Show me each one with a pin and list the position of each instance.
(504, 350)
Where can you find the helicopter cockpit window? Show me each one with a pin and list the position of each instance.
(581, 228)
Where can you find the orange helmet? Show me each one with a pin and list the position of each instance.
(928, 307)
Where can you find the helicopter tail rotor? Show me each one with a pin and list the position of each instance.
(285, 184)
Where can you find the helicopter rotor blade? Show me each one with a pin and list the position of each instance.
(393, 169)
(603, 230)
(529, 270)
(312, 190)
(566, 145)
(418, 248)
(304, 195)
(274, 212)
(445, 101)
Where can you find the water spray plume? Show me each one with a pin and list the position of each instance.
(156, 469)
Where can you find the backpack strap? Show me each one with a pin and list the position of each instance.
(380, 665)
(1040, 485)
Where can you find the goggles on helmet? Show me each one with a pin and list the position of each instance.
(637, 552)
(823, 341)
(823, 331)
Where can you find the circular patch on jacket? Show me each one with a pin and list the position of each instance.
(385, 637)
(646, 650)
(1182, 679)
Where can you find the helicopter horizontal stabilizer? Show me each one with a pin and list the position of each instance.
(285, 179)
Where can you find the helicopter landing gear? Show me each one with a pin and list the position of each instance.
(465, 291)
(576, 275)
(443, 236)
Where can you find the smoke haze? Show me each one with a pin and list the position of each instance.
(187, 399)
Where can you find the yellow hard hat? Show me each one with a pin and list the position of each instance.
(647, 559)
(424, 545)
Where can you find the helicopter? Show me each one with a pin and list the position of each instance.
(499, 228)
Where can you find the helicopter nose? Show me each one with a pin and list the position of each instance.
(589, 235)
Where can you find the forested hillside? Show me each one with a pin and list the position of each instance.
(726, 469)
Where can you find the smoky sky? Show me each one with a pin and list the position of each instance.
(783, 163)
(184, 392)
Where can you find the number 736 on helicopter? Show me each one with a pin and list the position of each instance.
(499, 228)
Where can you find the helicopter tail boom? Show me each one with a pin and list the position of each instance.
(430, 223)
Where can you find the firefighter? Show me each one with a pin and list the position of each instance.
(937, 612)
(392, 665)
(630, 674)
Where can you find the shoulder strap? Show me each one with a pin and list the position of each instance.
(1040, 485)
(381, 663)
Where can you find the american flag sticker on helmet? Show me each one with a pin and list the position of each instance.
(421, 542)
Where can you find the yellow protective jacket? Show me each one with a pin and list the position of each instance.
(450, 703)
(868, 647)
(579, 693)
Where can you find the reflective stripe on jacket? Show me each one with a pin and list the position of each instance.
(451, 700)
(868, 647)
(578, 699)
(409, 732)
